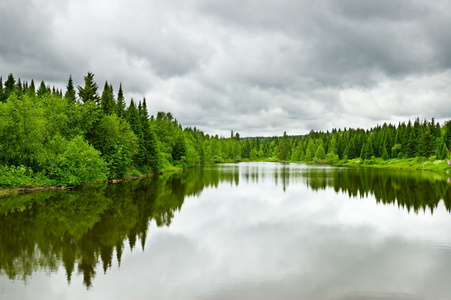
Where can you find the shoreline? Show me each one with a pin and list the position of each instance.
(31, 189)
(436, 166)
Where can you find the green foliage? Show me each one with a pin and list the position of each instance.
(15, 176)
(22, 132)
(320, 154)
(89, 91)
(37, 127)
(117, 143)
(79, 163)
(70, 95)
(107, 101)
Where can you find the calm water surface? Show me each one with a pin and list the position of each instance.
(233, 231)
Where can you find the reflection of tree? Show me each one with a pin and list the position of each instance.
(81, 229)
(412, 190)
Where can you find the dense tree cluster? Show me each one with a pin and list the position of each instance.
(84, 136)
(47, 138)
(425, 139)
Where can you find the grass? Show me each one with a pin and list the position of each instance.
(417, 163)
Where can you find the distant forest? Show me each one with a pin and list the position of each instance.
(51, 138)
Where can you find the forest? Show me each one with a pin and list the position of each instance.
(51, 138)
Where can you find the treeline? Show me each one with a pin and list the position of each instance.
(423, 139)
(51, 138)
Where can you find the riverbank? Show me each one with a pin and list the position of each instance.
(414, 164)
(4, 192)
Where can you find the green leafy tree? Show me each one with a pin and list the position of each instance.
(22, 133)
(320, 153)
(79, 163)
(117, 143)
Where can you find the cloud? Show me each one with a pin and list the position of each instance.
(258, 68)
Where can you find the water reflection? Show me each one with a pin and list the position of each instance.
(88, 227)
(408, 189)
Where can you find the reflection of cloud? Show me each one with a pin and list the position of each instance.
(321, 245)
(256, 240)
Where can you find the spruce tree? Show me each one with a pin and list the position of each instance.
(107, 101)
(70, 95)
(42, 90)
(447, 137)
(89, 91)
(18, 88)
(385, 153)
(1, 89)
(120, 107)
(9, 87)
(412, 144)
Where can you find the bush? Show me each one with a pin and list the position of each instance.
(15, 176)
(79, 163)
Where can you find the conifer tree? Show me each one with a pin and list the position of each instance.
(120, 107)
(107, 102)
(447, 137)
(18, 88)
(32, 87)
(70, 95)
(89, 91)
(1, 89)
(42, 90)
(9, 87)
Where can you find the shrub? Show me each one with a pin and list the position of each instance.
(80, 163)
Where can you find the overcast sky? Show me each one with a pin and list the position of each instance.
(256, 67)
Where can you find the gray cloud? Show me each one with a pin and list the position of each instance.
(258, 68)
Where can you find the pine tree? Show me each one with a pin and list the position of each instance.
(367, 150)
(9, 87)
(143, 111)
(1, 89)
(320, 152)
(447, 137)
(42, 90)
(89, 91)
(18, 88)
(120, 107)
(284, 147)
(385, 153)
(70, 95)
(412, 144)
(107, 102)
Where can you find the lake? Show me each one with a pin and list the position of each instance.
(233, 231)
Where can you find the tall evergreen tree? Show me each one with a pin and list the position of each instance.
(9, 87)
(107, 102)
(89, 91)
(447, 136)
(18, 88)
(42, 89)
(1, 89)
(120, 107)
(70, 95)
